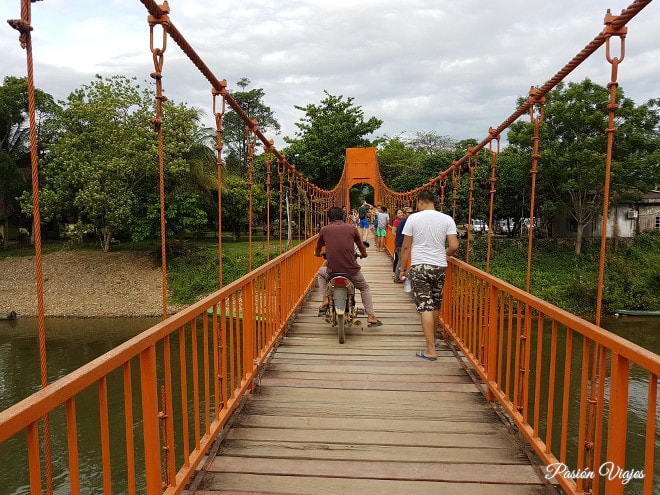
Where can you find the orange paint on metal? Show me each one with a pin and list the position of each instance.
(149, 388)
(72, 444)
(651, 428)
(129, 430)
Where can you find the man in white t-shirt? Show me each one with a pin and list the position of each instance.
(429, 237)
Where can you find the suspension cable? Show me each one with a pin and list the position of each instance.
(250, 139)
(471, 168)
(494, 152)
(611, 129)
(24, 27)
(220, 163)
(269, 162)
(536, 114)
(157, 121)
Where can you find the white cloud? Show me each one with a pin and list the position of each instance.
(454, 67)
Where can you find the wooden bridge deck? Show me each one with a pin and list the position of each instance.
(366, 417)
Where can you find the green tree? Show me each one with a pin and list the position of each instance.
(234, 137)
(318, 149)
(15, 163)
(407, 162)
(513, 186)
(573, 149)
(236, 204)
(102, 171)
(479, 207)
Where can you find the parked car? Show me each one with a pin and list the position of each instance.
(478, 226)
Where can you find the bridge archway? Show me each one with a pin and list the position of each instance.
(361, 167)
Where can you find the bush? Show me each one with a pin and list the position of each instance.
(194, 274)
(569, 281)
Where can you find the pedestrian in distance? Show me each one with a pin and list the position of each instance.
(397, 218)
(374, 221)
(429, 237)
(355, 219)
(340, 239)
(398, 242)
(363, 216)
(381, 228)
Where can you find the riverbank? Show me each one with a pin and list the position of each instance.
(82, 283)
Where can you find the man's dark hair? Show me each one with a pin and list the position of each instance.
(335, 213)
(426, 196)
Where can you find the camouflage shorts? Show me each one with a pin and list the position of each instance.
(427, 284)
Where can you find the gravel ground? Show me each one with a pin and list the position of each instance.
(84, 284)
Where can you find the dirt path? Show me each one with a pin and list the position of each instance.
(84, 284)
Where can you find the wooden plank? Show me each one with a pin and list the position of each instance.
(385, 398)
(337, 358)
(305, 382)
(349, 435)
(237, 483)
(422, 471)
(403, 376)
(347, 352)
(276, 366)
(374, 410)
(385, 425)
(366, 452)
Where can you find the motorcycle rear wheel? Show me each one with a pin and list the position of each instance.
(341, 331)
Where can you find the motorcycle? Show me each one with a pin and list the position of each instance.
(341, 311)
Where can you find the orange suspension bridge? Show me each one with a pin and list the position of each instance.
(246, 392)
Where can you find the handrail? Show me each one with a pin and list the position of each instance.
(230, 349)
(507, 335)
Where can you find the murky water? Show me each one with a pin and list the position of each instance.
(71, 343)
(74, 342)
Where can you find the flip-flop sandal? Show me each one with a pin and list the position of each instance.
(375, 323)
(421, 354)
(322, 310)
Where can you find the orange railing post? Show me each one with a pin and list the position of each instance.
(617, 424)
(148, 386)
(491, 342)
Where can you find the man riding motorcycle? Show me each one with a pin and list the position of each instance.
(340, 239)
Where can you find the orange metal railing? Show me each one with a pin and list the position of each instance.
(181, 380)
(563, 381)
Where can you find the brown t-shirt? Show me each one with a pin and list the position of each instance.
(339, 239)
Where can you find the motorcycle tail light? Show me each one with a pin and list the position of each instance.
(339, 282)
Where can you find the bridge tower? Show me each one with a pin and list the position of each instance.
(361, 168)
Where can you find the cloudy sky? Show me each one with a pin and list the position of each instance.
(454, 67)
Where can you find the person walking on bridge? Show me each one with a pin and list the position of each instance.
(340, 239)
(398, 243)
(363, 211)
(381, 227)
(429, 237)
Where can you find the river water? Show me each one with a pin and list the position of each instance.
(74, 342)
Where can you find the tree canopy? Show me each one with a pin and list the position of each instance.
(407, 162)
(318, 149)
(573, 149)
(101, 173)
(233, 136)
(15, 164)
